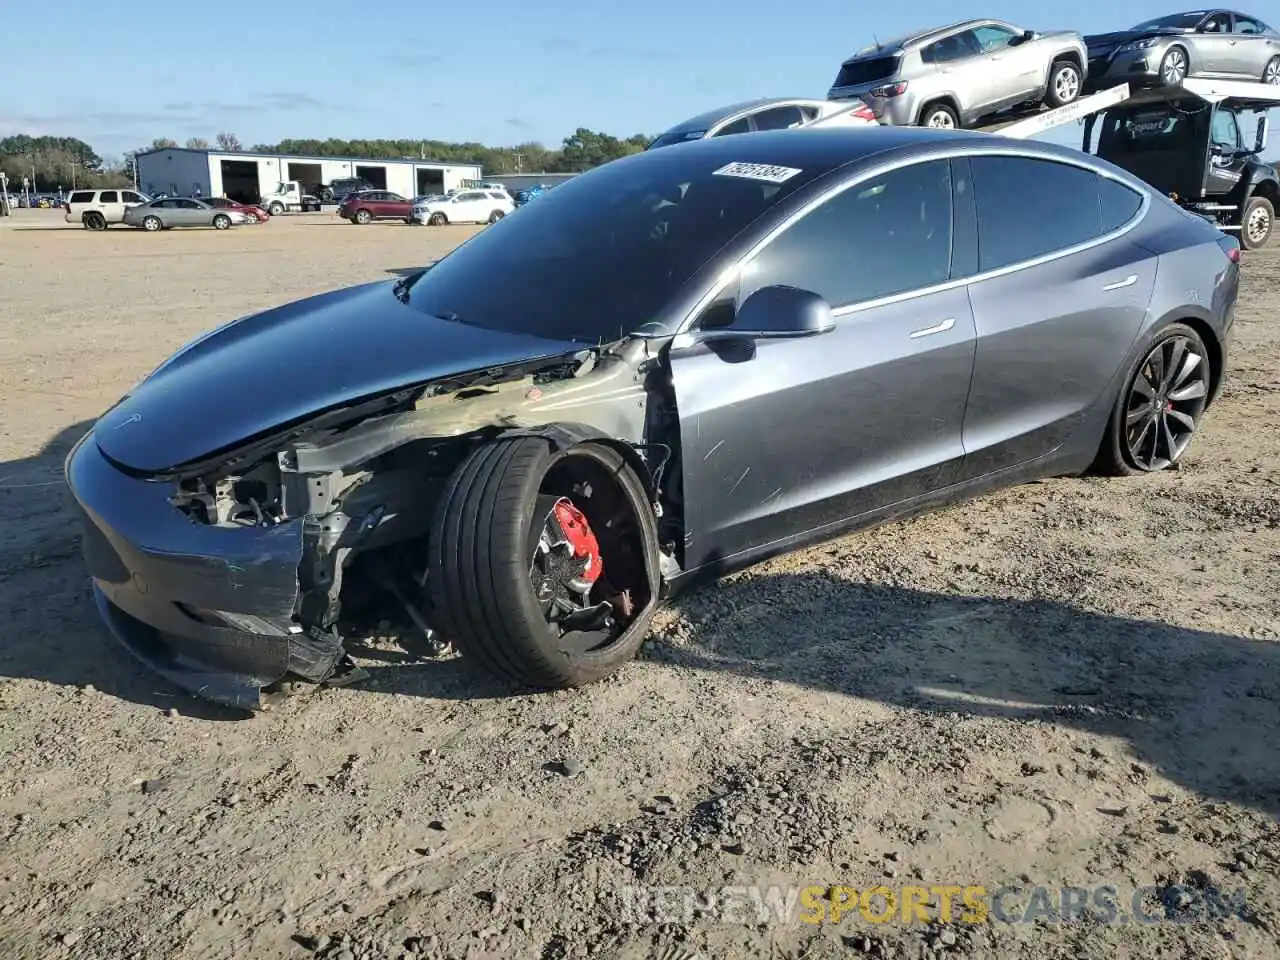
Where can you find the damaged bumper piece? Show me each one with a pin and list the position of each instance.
(209, 608)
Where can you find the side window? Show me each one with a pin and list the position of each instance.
(738, 126)
(131, 197)
(884, 236)
(992, 38)
(1225, 131)
(955, 47)
(1028, 208)
(1247, 25)
(1119, 203)
(779, 118)
(188, 205)
(109, 196)
(395, 197)
(1218, 23)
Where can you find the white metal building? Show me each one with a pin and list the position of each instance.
(248, 176)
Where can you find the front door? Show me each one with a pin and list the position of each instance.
(1014, 72)
(781, 437)
(1226, 159)
(1214, 45)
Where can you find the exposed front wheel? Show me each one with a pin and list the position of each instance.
(151, 224)
(275, 209)
(222, 222)
(1256, 223)
(1173, 68)
(496, 216)
(544, 561)
(437, 220)
(1157, 413)
(1064, 84)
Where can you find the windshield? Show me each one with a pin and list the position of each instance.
(600, 256)
(676, 136)
(1176, 20)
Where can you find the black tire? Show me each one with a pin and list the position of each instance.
(1174, 67)
(482, 542)
(362, 216)
(437, 219)
(941, 115)
(326, 195)
(496, 216)
(222, 222)
(1271, 72)
(152, 224)
(95, 221)
(275, 209)
(1257, 222)
(1117, 456)
(1065, 84)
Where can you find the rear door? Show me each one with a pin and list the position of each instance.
(1058, 298)
(792, 435)
(1251, 48)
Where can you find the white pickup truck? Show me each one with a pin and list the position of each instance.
(288, 197)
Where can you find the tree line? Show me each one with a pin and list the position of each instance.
(66, 162)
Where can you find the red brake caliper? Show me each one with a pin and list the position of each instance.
(577, 531)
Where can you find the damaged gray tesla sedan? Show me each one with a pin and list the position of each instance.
(673, 365)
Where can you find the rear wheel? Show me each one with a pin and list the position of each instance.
(1257, 220)
(222, 222)
(940, 115)
(1271, 72)
(1156, 415)
(95, 221)
(151, 224)
(362, 217)
(1064, 84)
(543, 561)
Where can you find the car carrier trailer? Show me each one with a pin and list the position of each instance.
(1185, 141)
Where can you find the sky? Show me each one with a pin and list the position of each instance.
(118, 75)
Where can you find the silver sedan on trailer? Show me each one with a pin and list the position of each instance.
(181, 212)
(770, 113)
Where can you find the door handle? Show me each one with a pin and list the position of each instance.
(1128, 281)
(942, 327)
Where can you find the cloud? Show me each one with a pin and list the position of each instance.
(517, 123)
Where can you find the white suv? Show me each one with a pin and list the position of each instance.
(465, 206)
(98, 209)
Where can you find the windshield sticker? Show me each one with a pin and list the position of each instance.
(767, 172)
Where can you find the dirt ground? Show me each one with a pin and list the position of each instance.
(1073, 683)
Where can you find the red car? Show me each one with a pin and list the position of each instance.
(251, 209)
(375, 205)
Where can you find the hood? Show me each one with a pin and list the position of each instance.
(280, 367)
(1128, 36)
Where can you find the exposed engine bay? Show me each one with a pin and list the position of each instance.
(365, 489)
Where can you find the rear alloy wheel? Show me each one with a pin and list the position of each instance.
(1256, 223)
(222, 222)
(437, 220)
(362, 217)
(95, 221)
(151, 224)
(496, 216)
(1173, 68)
(1064, 84)
(544, 561)
(1271, 72)
(940, 116)
(1156, 416)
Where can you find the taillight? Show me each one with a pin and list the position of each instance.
(863, 112)
(1230, 246)
(890, 90)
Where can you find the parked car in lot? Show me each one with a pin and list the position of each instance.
(951, 76)
(521, 197)
(254, 212)
(1219, 44)
(465, 206)
(98, 209)
(181, 212)
(770, 113)
(289, 197)
(655, 393)
(369, 205)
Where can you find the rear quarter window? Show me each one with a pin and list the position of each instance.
(1029, 208)
(1120, 204)
(82, 196)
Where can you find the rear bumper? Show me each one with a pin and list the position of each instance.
(208, 608)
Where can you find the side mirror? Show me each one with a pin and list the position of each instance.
(1260, 138)
(778, 312)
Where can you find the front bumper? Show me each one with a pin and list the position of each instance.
(1137, 67)
(163, 582)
